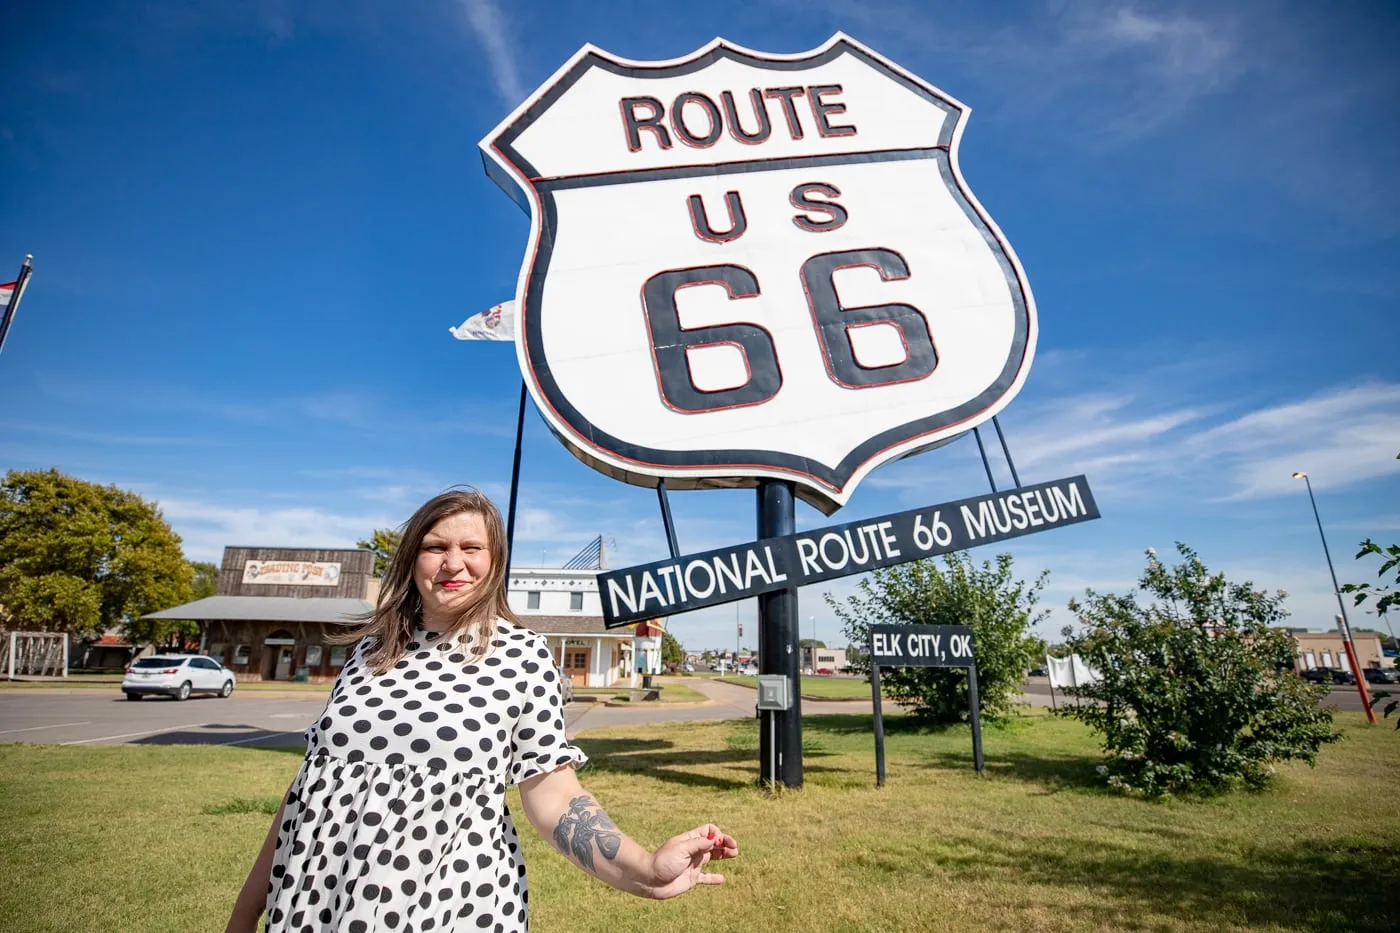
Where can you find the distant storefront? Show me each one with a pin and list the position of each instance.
(1326, 649)
(274, 607)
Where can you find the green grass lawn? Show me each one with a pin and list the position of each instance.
(827, 688)
(158, 838)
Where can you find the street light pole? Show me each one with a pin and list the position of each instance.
(1342, 622)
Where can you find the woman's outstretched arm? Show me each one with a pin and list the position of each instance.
(568, 817)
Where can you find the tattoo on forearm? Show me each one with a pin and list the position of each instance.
(584, 824)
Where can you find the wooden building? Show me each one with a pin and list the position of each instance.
(273, 608)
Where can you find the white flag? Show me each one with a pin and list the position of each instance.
(495, 323)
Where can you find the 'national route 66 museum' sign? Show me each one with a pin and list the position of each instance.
(749, 266)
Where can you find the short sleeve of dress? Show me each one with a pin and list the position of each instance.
(538, 744)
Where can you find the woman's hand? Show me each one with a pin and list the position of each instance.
(679, 864)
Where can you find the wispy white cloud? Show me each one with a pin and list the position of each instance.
(208, 527)
(489, 26)
(1339, 436)
(1132, 441)
(1117, 71)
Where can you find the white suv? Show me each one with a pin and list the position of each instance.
(178, 676)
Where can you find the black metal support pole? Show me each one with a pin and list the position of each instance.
(777, 620)
(986, 464)
(1006, 452)
(515, 480)
(667, 521)
(976, 710)
(879, 719)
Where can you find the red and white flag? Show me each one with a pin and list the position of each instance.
(7, 292)
(495, 323)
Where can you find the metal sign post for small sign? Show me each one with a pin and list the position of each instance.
(923, 646)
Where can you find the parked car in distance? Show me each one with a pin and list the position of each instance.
(688, 668)
(1328, 675)
(177, 675)
(1037, 672)
(1381, 675)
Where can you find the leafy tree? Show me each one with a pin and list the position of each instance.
(671, 650)
(173, 633)
(1038, 648)
(383, 542)
(82, 558)
(811, 643)
(999, 608)
(1198, 692)
(1387, 595)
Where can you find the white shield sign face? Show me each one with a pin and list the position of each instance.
(745, 265)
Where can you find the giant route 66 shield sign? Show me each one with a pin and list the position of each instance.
(745, 265)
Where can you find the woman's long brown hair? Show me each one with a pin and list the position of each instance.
(400, 606)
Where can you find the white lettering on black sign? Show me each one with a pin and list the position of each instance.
(921, 645)
(692, 582)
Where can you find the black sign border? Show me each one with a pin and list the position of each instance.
(1091, 513)
(812, 477)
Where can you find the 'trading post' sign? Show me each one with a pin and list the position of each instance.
(923, 646)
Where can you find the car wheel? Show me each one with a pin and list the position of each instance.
(184, 693)
(133, 696)
(227, 689)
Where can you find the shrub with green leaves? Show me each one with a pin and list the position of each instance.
(999, 608)
(1198, 693)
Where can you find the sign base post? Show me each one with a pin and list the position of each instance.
(780, 736)
(975, 708)
(879, 724)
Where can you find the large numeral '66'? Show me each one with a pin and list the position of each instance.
(833, 323)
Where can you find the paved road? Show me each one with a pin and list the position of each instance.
(96, 717)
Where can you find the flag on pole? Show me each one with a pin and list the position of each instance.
(10, 294)
(495, 323)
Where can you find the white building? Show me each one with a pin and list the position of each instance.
(563, 604)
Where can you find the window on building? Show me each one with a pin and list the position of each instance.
(532, 599)
(575, 602)
(313, 655)
(337, 656)
(580, 661)
(219, 651)
(240, 654)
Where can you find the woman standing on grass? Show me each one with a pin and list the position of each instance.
(397, 820)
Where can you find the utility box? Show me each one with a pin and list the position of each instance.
(774, 691)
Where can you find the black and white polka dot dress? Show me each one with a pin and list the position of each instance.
(397, 820)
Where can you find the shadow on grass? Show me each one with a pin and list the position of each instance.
(1053, 772)
(658, 758)
(229, 734)
(1320, 885)
(902, 724)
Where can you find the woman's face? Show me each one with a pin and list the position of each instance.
(452, 564)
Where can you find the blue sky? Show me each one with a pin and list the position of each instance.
(252, 228)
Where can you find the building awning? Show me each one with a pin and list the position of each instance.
(267, 609)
